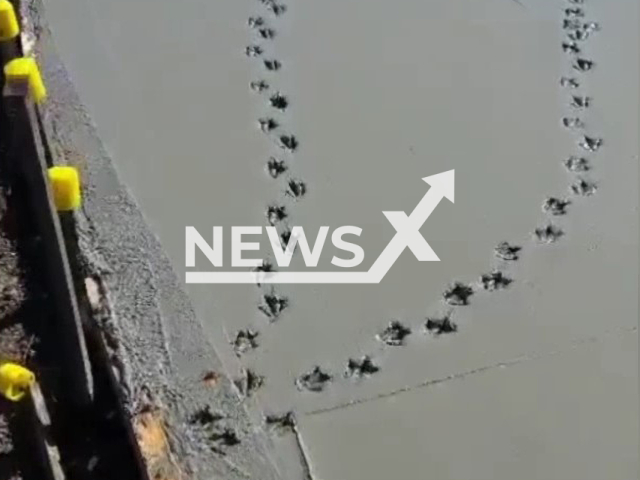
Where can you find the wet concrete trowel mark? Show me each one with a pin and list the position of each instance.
(394, 334)
(313, 381)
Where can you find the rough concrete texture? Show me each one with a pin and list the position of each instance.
(187, 97)
(162, 358)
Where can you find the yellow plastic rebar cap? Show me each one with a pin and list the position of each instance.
(26, 68)
(65, 182)
(9, 27)
(15, 381)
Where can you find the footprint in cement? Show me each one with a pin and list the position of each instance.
(584, 188)
(289, 142)
(591, 27)
(578, 101)
(255, 22)
(273, 305)
(440, 326)
(507, 251)
(296, 188)
(313, 381)
(268, 124)
(572, 24)
(458, 294)
(266, 267)
(590, 144)
(394, 334)
(577, 164)
(253, 51)
(217, 435)
(245, 341)
(204, 416)
(225, 437)
(209, 424)
(267, 33)
(555, 206)
(281, 422)
(279, 101)
(495, 280)
(570, 82)
(360, 368)
(285, 237)
(548, 234)
(574, 12)
(570, 47)
(572, 122)
(249, 382)
(583, 65)
(276, 167)
(578, 34)
(272, 65)
(276, 8)
(259, 86)
(275, 214)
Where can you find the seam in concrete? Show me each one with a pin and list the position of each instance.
(462, 375)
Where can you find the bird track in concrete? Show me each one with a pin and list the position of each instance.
(458, 294)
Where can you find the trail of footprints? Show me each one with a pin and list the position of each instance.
(455, 295)
(459, 294)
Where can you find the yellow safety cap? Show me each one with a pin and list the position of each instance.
(65, 182)
(26, 68)
(15, 381)
(9, 27)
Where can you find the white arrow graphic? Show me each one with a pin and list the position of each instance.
(407, 235)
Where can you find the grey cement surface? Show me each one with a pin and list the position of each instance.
(158, 348)
(380, 97)
(534, 419)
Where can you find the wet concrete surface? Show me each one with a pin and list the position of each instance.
(377, 98)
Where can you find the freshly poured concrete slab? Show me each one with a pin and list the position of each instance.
(379, 97)
(563, 416)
